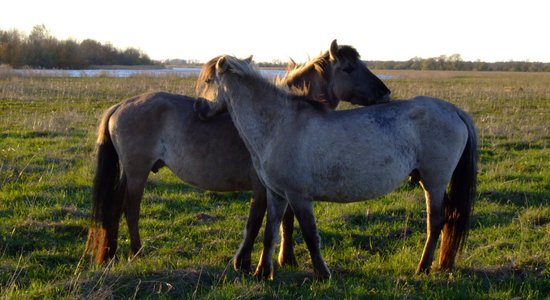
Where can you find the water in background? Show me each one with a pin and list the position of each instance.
(180, 72)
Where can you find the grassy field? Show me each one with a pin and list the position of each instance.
(47, 136)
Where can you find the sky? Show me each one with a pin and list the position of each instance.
(276, 30)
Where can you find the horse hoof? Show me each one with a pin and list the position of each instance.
(264, 273)
(108, 260)
(323, 274)
(131, 258)
(422, 270)
(242, 265)
(134, 255)
(288, 260)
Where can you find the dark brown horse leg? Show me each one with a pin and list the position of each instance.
(435, 222)
(276, 206)
(131, 212)
(258, 204)
(286, 254)
(303, 208)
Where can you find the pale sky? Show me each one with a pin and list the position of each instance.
(499, 30)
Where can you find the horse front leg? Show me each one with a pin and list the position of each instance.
(303, 208)
(258, 206)
(276, 206)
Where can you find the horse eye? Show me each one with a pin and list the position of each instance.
(209, 80)
(348, 69)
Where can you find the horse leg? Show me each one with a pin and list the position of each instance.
(303, 208)
(134, 193)
(286, 253)
(113, 221)
(435, 221)
(276, 206)
(258, 206)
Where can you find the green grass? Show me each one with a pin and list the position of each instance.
(47, 135)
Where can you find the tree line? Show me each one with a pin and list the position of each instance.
(442, 63)
(40, 49)
(455, 63)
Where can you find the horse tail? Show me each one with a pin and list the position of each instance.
(460, 198)
(104, 191)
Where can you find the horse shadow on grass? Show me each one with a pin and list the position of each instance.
(520, 200)
(192, 282)
(398, 227)
(532, 273)
(177, 283)
(182, 199)
(47, 222)
(58, 226)
(37, 238)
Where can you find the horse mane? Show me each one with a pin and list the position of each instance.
(203, 87)
(319, 65)
(297, 98)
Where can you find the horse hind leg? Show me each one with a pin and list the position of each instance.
(134, 194)
(286, 253)
(111, 229)
(435, 221)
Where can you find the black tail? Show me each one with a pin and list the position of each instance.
(105, 202)
(461, 195)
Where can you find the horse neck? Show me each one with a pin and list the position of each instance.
(257, 112)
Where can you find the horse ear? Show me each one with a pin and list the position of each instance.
(333, 51)
(221, 65)
(248, 59)
(291, 64)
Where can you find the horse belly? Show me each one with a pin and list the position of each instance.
(357, 191)
(213, 175)
(358, 182)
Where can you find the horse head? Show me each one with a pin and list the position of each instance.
(351, 80)
(207, 87)
(336, 75)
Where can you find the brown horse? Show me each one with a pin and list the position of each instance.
(147, 132)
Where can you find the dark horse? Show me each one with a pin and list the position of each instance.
(352, 155)
(147, 132)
